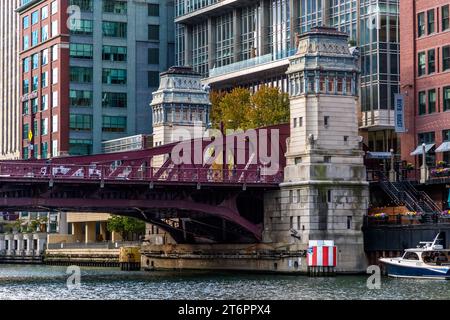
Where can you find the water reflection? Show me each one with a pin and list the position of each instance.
(49, 282)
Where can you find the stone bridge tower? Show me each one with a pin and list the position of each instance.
(325, 194)
(180, 103)
(180, 108)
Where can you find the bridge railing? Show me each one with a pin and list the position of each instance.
(49, 172)
(93, 245)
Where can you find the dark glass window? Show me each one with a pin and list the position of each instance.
(115, 6)
(84, 27)
(153, 10)
(113, 53)
(25, 107)
(80, 98)
(114, 29)
(84, 5)
(80, 122)
(446, 95)
(80, 74)
(431, 61)
(446, 135)
(114, 124)
(422, 103)
(114, 76)
(426, 137)
(153, 32)
(79, 147)
(421, 24)
(432, 101)
(153, 56)
(431, 21)
(81, 51)
(421, 64)
(114, 100)
(445, 17)
(446, 58)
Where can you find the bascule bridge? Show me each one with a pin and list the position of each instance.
(247, 214)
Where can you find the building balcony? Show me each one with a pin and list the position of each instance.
(248, 70)
(192, 14)
(377, 120)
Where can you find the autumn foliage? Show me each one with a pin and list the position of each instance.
(240, 108)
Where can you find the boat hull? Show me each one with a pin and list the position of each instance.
(418, 272)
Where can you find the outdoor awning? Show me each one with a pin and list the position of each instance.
(418, 150)
(445, 147)
(379, 155)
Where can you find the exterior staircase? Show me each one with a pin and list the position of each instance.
(403, 193)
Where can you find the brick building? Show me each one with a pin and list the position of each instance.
(425, 79)
(87, 71)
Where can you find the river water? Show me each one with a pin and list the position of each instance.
(49, 282)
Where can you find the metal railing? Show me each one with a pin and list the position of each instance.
(250, 63)
(404, 193)
(187, 8)
(40, 171)
(403, 220)
(93, 245)
(421, 195)
(402, 175)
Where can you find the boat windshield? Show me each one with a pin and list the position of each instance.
(410, 256)
(436, 257)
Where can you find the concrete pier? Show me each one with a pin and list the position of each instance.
(242, 257)
(83, 257)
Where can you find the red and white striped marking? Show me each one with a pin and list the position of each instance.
(324, 256)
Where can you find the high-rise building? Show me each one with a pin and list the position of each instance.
(425, 81)
(88, 69)
(9, 81)
(247, 43)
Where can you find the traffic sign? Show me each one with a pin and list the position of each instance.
(30, 135)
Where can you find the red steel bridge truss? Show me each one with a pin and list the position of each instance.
(194, 203)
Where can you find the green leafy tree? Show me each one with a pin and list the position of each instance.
(125, 226)
(34, 225)
(234, 108)
(240, 109)
(269, 107)
(216, 112)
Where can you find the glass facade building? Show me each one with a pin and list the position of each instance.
(246, 43)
